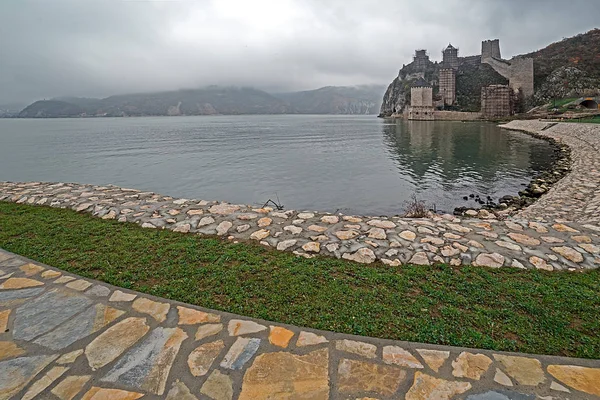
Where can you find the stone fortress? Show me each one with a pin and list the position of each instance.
(433, 91)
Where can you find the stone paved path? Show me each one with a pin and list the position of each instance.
(65, 337)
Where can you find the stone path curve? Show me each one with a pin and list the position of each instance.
(65, 337)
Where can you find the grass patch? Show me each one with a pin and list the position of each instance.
(506, 309)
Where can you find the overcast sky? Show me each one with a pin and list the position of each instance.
(97, 48)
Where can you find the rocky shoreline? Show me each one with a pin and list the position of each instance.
(561, 231)
(537, 187)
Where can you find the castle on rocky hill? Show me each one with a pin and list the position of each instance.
(460, 88)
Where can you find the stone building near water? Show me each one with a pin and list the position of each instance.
(421, 101)
(457, 83)
(496, 101)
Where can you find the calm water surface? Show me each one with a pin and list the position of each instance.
(355, 164)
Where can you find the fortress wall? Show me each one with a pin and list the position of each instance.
(521, 75)
(456, 116)
(519, 71)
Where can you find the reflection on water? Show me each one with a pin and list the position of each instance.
(446, 161)
(355, 164)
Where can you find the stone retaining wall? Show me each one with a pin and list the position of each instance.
(560, 232)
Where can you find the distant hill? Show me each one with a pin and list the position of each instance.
(336, 100)
(214, 100)
(209, 101)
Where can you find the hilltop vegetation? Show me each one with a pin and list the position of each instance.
(581, 52)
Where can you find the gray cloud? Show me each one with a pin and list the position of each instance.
(104, 47)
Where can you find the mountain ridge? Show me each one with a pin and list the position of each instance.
(214, 100)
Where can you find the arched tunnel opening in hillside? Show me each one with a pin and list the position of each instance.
(591, 104)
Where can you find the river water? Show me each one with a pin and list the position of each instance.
(354, 164)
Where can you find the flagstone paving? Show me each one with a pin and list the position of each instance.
(59, 341)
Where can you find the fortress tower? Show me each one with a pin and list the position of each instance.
(448, 85)
(450, 57)
(490, 49)
(421, 101)
(421, 59)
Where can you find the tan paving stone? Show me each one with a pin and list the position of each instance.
(426, 387)
(312, 247)
(41, 384)
(309, 339)
(155, 309)
(355, 377)
(408, 235)
(317, 228)
(179, 391)
(10, 350)
(223, 209)
(434, 358)
(582, 239)
(501, 378)
(359, 348)
(398, 356)
(363, 255)
(470, 366)
(20, 283)
(208, 330)
(286, 244)
(218, 386)
(31, 269)
(69, 387)
(526, 371)
(524, 239)
(568, 253)
(98, 393)
(239, 327)
(201, 359)
(189, 316)
(330, 219)
(69, 358)
(285, 375)
(419, 258)
(551, 239)
(122, 296)
(64, 279)
(353, 220)
(564, 228)
(493, 260)
(79, 285)
(381, 224)
(540, 263)
(260, 234)
(590, 248)
(4, 320)
(280, 336)
(111, 343)
(584, 379)
(377, 233)
(50, 274)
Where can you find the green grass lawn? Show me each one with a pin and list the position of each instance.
(506, 309)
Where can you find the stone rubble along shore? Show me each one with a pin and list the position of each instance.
(559, 232)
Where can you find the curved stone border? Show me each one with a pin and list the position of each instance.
(559, 232)
(65, 337)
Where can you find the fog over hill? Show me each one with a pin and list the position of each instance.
(214, 100)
